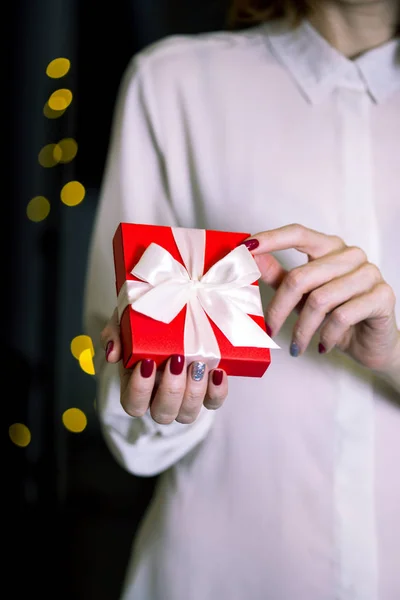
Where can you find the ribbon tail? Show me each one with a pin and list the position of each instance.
(235, 324)
(200, 342)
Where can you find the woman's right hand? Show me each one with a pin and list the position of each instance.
(176, 394)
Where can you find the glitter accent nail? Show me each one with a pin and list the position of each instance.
(294, 349)
(198, 370)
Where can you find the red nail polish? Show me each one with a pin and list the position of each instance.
(268, 328)
(146, 368)
(176, 364)
(251, 244)
(109, 348)
(321, 348)
(217, 377)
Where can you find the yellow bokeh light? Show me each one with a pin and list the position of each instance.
(74, 420)
(58, 68)
(19, 434)
(80, 343)
(38, 209)
(49, 113)
(68, 148)
(72, 193)
(60, 99)
(50, 155)
(86, 361)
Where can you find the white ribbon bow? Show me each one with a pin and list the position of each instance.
(225, 293)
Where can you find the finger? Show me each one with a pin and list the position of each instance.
(325, 299)
(376, 306)
(137, 386)
(311, 276)
(110, 339)
(196, 388)
(217, 389)
(306, 240)
(272, 272)
(156, 384)
(168, 399)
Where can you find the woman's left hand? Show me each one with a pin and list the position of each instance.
(338, 293)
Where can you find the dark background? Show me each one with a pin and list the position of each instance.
(71, 512)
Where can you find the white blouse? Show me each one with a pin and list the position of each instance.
(291, 491)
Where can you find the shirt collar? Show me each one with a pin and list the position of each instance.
(318, 68)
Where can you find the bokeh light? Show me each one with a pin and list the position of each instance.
(86, 362)
(58, 68)
(72, 193)
(82, 349)
(60, 99)
(50, 155)
(79, 344)
(49, 113)
(74, 420)
(38, 209)
(19, 434)
(68, 149)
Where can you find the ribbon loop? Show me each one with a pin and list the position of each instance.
(156, 266)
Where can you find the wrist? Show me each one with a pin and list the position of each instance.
(393, 368)
(391, 372)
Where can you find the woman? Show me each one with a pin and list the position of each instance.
(289, 491)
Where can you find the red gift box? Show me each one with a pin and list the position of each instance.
(145, 337)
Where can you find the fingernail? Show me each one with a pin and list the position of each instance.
(198, 370)
(217, 377)
(176, 364)
(321, 348)
(268, 328)
(251, 244)
(147, 367)
(109, 348)
(294, 349)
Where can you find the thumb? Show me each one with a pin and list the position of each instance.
(272, 272)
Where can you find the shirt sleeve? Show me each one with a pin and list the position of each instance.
(134, 189)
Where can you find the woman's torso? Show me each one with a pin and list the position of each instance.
(293, 495)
